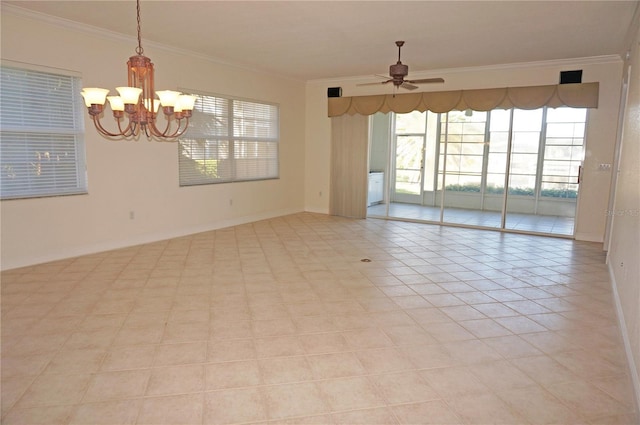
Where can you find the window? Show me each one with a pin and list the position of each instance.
(41, 138)
(229, 140)
(409, 133)
(464, 134)
(546, 151)
(563, 152)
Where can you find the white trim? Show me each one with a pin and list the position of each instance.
(113, 35)
(633, 371)
(588, 237)
(40, 68)
(633, 29)
(317, 210)
(143, 239)
(116, 36)
(65, 23)
(563, 63)
(617, 156)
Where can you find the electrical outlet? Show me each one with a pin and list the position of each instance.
(132, 215)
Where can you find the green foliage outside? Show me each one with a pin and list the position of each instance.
(493, 190)
(207, 167)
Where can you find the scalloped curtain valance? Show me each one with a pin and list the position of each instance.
(583, 95)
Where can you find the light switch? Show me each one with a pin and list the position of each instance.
(604, 167)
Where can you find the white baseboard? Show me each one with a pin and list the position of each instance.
(78, 251)
(633, 369)
(317, 210)
(589, 237)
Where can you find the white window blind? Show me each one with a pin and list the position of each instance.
(41, 134)
(229, 140)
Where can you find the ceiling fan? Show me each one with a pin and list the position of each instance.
(398, 71)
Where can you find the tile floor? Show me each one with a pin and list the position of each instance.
(520, 222)
(280, 321)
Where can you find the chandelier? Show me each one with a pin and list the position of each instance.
(137, 100)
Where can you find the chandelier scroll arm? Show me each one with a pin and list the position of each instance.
(180, 130)
(137, 102)
(154, 129)
(102, 130)
(146, 132)
(128, 131)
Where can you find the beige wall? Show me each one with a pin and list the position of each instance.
(141, 176)
(602, 134)
(601, 130)
(624, 250)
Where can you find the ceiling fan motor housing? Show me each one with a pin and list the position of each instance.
(398, 71)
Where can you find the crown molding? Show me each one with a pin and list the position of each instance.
(120, 37)
(555, 63)
(64, 23)
(590, 60)
(116, 36)
(632, 31)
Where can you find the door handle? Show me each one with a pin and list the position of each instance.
(579, 174)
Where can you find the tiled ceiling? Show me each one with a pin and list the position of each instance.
(309, 40)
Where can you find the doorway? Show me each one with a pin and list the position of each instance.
(513, 170)
(408, 158)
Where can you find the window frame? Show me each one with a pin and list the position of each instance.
(236, 140)
(541, 160)
(18, 135)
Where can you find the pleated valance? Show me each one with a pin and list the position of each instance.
(584, 95)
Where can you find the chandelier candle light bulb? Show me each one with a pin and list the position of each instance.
(129, 95)
(137, 100)
(156, 105)
(116, 103)
(184, 103)
(94, 96)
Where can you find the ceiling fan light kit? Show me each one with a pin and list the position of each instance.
(139, 103)
(399, 71)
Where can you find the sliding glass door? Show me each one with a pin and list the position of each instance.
(409, 147)
(561, 165)
(523, 172)
(508, 169)
(462, 167)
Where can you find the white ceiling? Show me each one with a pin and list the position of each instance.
(309, 40)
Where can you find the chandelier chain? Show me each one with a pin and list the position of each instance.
(139, 49)
(137, 103)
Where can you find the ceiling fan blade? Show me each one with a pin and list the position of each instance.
(374, 84)
(426, 80)
(408, 86)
